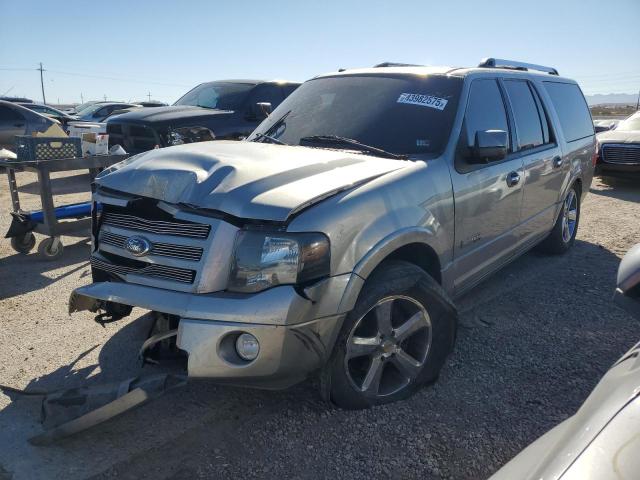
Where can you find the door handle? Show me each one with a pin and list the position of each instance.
(513, 179)
(557, 162)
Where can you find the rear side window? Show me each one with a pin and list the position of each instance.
(8, 114)
(485, 110)
(525, 114)
(572, 110)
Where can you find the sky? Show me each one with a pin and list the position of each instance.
(130, 50)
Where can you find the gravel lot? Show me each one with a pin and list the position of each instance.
(533, 342)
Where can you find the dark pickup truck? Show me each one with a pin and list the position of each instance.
(225, 109)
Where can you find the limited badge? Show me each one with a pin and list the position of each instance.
(423, 100)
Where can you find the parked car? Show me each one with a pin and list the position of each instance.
(336, 236)
(78, 108)
(16, 99)
(18, 120)
(77, 128)
(228, 109)
(98, 112)
(60, 116)
(619, 149)
(601, 440)
(603, 125)
(152, 103)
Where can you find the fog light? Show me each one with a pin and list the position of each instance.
(247, 346)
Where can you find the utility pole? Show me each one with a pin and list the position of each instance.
(149, 95)
(105, 98)
(44, 100)
(81, 98)
(638, 102)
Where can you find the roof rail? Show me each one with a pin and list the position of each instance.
(513, 65)
(395, 64)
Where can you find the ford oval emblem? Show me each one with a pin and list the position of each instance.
(137, 246)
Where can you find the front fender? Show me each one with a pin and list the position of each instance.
(376, 255)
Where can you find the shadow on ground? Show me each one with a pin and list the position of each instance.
(60, 186)
(535, 339)
(627, 189)
(32, 279)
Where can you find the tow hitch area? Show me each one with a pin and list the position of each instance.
(67, 412)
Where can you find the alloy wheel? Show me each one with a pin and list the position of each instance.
(388, 346)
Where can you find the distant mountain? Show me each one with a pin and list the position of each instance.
(625, 98)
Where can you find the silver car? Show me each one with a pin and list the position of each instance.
(335, 238)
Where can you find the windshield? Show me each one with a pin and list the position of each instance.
(88, 112)
(400, 114)
(222, 96)
(630, 124)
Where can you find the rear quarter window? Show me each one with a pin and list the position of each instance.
(572, 110)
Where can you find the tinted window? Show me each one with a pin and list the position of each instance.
(266, 93)
(288, 89)
(219, 95)
(8, 114)
(525, 114)
(485, 110)
(400, 114)
(572, 110)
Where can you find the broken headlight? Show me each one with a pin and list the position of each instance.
(180, 136)
(263, 260)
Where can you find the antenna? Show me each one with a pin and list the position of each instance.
(44, 100)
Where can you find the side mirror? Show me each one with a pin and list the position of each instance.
(259, 111)
(489, 145)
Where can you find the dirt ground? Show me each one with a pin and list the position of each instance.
(534, 340)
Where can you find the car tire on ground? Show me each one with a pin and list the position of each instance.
(563, 235)
(395, 340)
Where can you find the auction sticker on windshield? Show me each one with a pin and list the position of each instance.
(423, 100)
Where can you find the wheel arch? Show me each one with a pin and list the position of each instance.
(413, 245)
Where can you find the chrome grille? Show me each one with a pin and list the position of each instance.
(183, 252)
(151, 270)
(181, 229)
(621, 153)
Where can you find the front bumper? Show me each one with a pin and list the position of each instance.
(617, 170)
(296, 334)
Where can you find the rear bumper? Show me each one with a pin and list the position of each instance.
(293, 341)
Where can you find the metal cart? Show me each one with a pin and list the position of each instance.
(74, 218)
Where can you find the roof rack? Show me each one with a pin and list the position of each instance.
(395, 64)
(513, 65)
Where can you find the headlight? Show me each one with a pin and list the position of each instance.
(263, 260)
(180, 136)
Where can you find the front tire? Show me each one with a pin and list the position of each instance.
(395, 340)
(564, 232)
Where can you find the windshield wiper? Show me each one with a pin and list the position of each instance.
(269, 138)
(267, 134)
(344, 141)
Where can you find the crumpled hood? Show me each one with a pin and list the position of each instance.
(169, 114)
(245, 179)
(619, 136)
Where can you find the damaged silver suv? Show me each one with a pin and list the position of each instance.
(334, 238)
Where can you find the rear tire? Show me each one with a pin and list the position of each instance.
(395, 340)
(563, 235)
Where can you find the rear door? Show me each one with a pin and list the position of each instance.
(12, 123)
(544, 168)
(488, 197)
